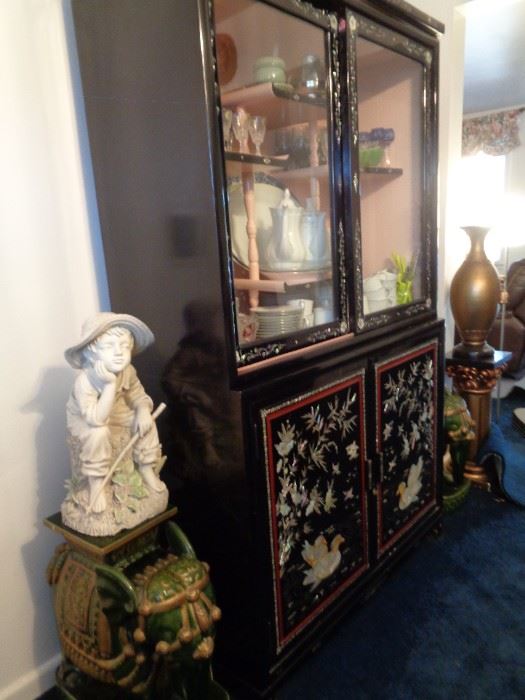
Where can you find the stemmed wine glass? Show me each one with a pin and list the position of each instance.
(257, 129)
(227, 115)
(323, 146)
(240, 129)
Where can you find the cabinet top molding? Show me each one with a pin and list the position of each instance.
(424, 20)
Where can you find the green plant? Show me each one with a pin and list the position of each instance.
(405, 277)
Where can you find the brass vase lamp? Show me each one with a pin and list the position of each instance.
(474, 297)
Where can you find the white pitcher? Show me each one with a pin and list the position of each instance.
(286, 245)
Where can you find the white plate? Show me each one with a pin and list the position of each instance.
(305, 266)
(268, 193)
(278, 311)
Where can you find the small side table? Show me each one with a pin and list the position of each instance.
(474, 381)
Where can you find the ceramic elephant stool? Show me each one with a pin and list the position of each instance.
(141, 626)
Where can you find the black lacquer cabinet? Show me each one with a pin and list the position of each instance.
(265, 173)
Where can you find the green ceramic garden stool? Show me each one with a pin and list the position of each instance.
(459, 433)
(135, 613)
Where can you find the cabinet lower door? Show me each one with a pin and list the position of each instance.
(406, 441)
(314, 446)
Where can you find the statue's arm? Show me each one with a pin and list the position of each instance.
(135, 395)
(85, 402)
(140, 403)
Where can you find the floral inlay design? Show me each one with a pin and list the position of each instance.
(406, 441)
(315, 454)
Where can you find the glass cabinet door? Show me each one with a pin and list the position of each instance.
(390, 80)
(276, 91)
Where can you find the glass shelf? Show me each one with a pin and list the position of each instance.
(396, 172)
(265, 98)
(260, 162)
(283, 281)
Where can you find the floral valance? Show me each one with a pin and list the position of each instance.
(495, 134)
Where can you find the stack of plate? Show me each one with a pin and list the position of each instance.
(277, 320)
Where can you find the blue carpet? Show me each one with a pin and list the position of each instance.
(448, 623)
(505, 464)
(503, 452)
(516, 399)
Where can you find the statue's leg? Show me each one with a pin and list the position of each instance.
(95, 459)
(147, 454)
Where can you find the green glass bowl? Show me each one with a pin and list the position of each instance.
(375, 155)
(269, 69)
(363, 157)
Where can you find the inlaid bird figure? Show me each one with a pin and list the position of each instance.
(323, 561)
(408, 491)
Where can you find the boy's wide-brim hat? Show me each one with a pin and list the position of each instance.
(102, 322)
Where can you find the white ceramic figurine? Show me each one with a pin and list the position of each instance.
(115, 451)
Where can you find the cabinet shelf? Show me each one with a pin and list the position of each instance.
(250, 159)
(395, 172)
(278, 166)
(280, 282)
(302, 173)
(267, 99)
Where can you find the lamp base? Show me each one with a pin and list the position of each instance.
(473, 352)
(478, 476)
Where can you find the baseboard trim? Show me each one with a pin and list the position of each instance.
(33, 684)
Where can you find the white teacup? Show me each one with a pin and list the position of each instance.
(377, 294)
(322, 315)
(372, 284)
(247, 327)
(388, 280)
(308, 320)
(307, 305)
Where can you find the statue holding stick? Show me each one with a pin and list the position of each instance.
(116, 455)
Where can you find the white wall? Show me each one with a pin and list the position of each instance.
(48, 286)
(49, 261)
(450, 117)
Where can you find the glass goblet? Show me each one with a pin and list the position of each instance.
(257, 129)
(240, 129)
(227, 115)
(323, 147)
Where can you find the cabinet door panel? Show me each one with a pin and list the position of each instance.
(406, 396)
(391, 140)
(278, 115)
(317, 499)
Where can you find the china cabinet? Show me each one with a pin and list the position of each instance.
(265, 176)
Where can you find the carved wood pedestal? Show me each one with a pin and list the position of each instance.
(474, 380)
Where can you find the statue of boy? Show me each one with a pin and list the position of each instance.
(108, 398)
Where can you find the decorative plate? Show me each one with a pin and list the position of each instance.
(226, 58)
